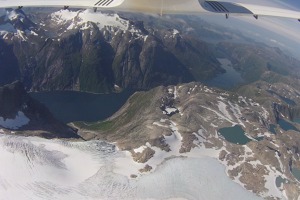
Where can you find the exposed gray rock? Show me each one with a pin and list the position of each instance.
(202, 111)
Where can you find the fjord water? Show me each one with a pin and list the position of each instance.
(70, 106)
(231, 78)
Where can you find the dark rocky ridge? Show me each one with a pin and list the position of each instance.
(287, 111)
(94, 59)
(13, 98)
(48, 55)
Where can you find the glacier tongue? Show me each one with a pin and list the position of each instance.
(34, 168)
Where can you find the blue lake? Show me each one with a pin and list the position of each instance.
(70, 106)
(234, 135)
(296, 173)
(286, 125)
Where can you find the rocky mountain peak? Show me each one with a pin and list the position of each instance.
(19, 19)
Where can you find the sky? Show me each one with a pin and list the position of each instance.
(289, 3)
(278, 32)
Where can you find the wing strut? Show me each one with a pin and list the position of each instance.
(162, 7)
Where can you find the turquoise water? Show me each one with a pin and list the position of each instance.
(69, 106)
(296, 173)
(234, 135)
(286, 125)
(297, 120)
(279, 180)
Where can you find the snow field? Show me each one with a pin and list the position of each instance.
(34, 168)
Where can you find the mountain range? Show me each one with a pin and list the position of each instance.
(105, 52)
(170, 62)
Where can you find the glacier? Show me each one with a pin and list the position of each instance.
(35, 168)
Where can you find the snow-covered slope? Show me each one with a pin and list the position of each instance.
(34, 168)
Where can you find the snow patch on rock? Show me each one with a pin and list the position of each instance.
(223, 109)
(16, 123)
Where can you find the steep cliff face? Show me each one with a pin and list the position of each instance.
(12, 98)
(65, 50)
(22, 114)
(9, 70)
(286, 111)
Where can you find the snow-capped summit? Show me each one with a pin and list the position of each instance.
(13, 15)
(16, 23)
(78, 18)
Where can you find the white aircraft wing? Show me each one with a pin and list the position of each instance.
(252, 9)
(61, 3)
(161, 6)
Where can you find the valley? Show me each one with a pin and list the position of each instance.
(130, 106)
(165, 124)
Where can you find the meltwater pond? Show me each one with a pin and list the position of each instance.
(286, 125)
(70, 106)
(234, 135)
(279, 181)
(296, 173)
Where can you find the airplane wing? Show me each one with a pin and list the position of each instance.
(105, 4)
(252, 9)
(161, 6)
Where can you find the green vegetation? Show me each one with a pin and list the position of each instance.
(136, 107)
(98, 126)
(96, 74)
